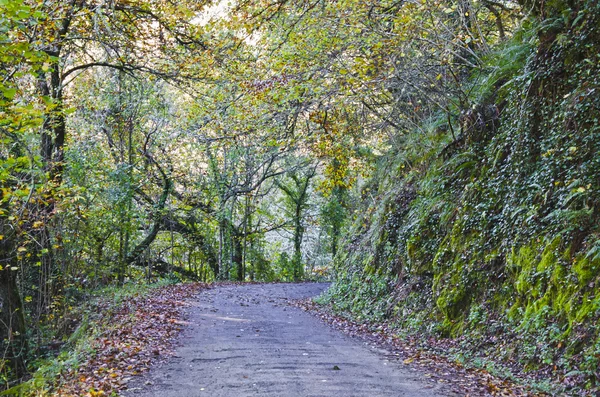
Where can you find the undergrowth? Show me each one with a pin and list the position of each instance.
(92, 319)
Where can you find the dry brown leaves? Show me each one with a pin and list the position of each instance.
(464, 381)
(139, 332)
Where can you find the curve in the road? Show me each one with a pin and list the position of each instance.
(246, 341)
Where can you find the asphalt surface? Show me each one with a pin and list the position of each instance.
(247, 341)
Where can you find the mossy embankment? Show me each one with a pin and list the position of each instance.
(494, 235)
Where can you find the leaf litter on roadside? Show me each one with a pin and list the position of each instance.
(464, 381)
(138, 333)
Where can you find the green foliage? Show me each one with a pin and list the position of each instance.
(21, 178)
(285, 267)
(500, 234)
(365, 297)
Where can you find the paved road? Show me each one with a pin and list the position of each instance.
(246, 341)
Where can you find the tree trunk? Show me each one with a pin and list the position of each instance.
(219, 275)
(334, 240)
(238, 257)
(13, 340)
(298, 234)
(54, 127)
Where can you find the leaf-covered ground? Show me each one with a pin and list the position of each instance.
(139, 332)
(465, 381)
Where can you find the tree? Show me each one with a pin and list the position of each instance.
(19, 174)
(132, 37)
(296, 191)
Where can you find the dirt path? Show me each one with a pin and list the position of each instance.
(246, 341)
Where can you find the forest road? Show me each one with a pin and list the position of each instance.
(247, 341)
